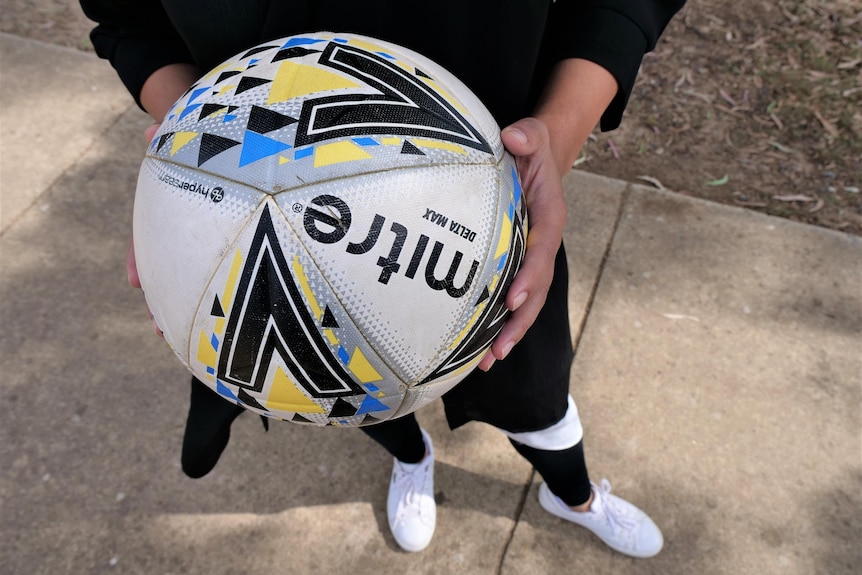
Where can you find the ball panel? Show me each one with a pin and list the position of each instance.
(271, 335)
(417, 396)
(404, 252)
(283, 117)
(502, 263)
(181, 211)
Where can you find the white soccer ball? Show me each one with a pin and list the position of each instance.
(325, 229)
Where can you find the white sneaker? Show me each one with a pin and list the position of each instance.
(410, 507)
(621, 525)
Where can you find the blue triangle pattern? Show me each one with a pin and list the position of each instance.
(225, 392)
(189, 109)
(517, 185)
(300, 42)
(256, 146)
(198, 92)
(369, 404)
(503, 259)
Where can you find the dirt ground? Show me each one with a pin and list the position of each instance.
(749, 103)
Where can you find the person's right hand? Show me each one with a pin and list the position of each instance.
(131, 262)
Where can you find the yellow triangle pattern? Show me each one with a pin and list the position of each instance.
(505, 238)
(338, 152)
(206, 353)
(306, 288)
(232, 276)
(330, 335)
(366, 45)
(467, 327)
(293, 80)
(225, 89)
(441, 146)
(362, 368)
(284, 395)
(470, 364)
(180, 141)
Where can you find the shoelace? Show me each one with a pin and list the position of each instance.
(616, 516)
(409, 483)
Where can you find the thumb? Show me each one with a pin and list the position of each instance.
(524, 137)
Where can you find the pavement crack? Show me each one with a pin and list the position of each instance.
(517, 519)
(588, 308)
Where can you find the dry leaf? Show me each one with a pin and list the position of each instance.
(827, 125)
(680, 316)
(614, 150)
(849, 65)
(780, 147)
(759, 43)
(727, 97)
(794, 198)
(776, 120)
(816, 207)
(652, 181)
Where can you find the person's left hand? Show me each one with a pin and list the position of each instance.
(541, 180)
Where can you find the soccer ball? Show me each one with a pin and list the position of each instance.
(326, 227)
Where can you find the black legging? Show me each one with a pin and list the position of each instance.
(210, 417)
(564, 471)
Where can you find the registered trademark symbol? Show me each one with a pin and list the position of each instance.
(297, 207)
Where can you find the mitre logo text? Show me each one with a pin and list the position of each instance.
(328, 220)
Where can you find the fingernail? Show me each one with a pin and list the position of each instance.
(507, 348)
(519, 299)
(518, 134)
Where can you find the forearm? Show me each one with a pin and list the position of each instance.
(137, 37)
(576, 96)
(164, 86)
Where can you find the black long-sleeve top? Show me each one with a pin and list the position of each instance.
(502, 49)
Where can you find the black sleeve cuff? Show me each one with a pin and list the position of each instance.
(135, 58)
(614, 34)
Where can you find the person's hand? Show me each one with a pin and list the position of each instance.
(529, 142)
(131, 262)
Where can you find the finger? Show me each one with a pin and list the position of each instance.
(536, 275)
(150, 132)
(487, 361)
(547, 212)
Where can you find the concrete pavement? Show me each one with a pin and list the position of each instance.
(718, 373)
